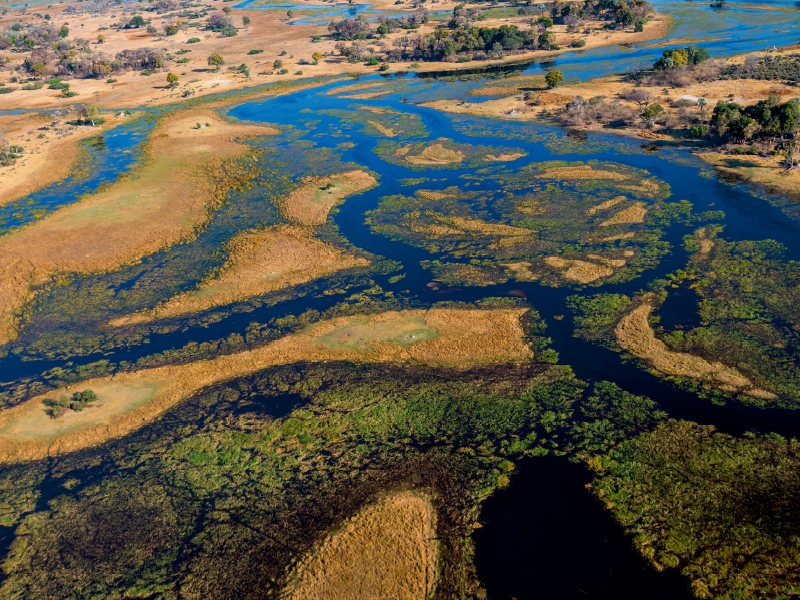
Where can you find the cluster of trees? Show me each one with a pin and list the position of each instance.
(770, 121)
(80, 61)
(677, 58)
(633, 13)
(31, 36)
(77, 402)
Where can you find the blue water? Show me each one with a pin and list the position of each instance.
(111, 154)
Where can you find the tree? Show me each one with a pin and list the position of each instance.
(171, 30)
(151, 29)
(38, 69)
(172, 80)
(651, 113)
(316, 57)
(88, 113)
(554, 78)
(547, 40)
(226, 9)
(136, 22)
(100, 38)
(63, 32)
(215, 60)
(245, 20)
(277, 64)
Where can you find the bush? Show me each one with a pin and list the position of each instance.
(192, 40)
(283, 71)
(33, 86)
(6, 90)
(228, 31)
(577, 43)
(698, 131)
(372, 62)
(383, 67)
(255, 51)
(554, 78)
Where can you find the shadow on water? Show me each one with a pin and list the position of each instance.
(546, 536)
(679, 310)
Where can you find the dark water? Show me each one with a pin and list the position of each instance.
(546, 537)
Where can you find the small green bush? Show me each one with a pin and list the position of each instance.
(192, 40)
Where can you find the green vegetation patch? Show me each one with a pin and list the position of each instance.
(723, 510)
(380, 121)
(557, 222)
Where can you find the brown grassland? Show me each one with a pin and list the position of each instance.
(126, 401)
(162, 204)
(387, 550)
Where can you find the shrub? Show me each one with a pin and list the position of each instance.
(698, 131)
(577, 43)
(193, 40)
(554, 78)
(372, 62)
(255, 51)
(33, 86)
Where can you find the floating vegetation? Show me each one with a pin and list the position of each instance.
(721, 509)
(746, 343)
(380, 121)
(574, 223)
(444, 153)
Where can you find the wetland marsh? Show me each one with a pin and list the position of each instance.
(341, 344)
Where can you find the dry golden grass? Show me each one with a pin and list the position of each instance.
(579, 173)
(387, 131)
(310, 203)
(579, 271)
(634, 334)
(259, 262)
(388, 550)
(162, 204)
(606, 205)
(632, 214)
(435, 154)
(505, 157)
(126, 401)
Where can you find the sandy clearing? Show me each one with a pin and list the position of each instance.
(259, 262)
(634, 334)
(486, 228)
(387, 550)
(311, 202)
(161, 204)
(126, 401)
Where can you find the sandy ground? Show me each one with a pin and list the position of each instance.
(579, 271)
(513, 106)
(160, 205)
(634, 334)
(388, 550)
(260, 262)
(311, 202)
(269, 31)
(443, 337)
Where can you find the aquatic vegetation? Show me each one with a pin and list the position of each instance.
(380, 121)
(443, 153)
(438, 336)
(167, 201)
(581, 223)
(746, 343)
(222, 449)
(721, 509)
